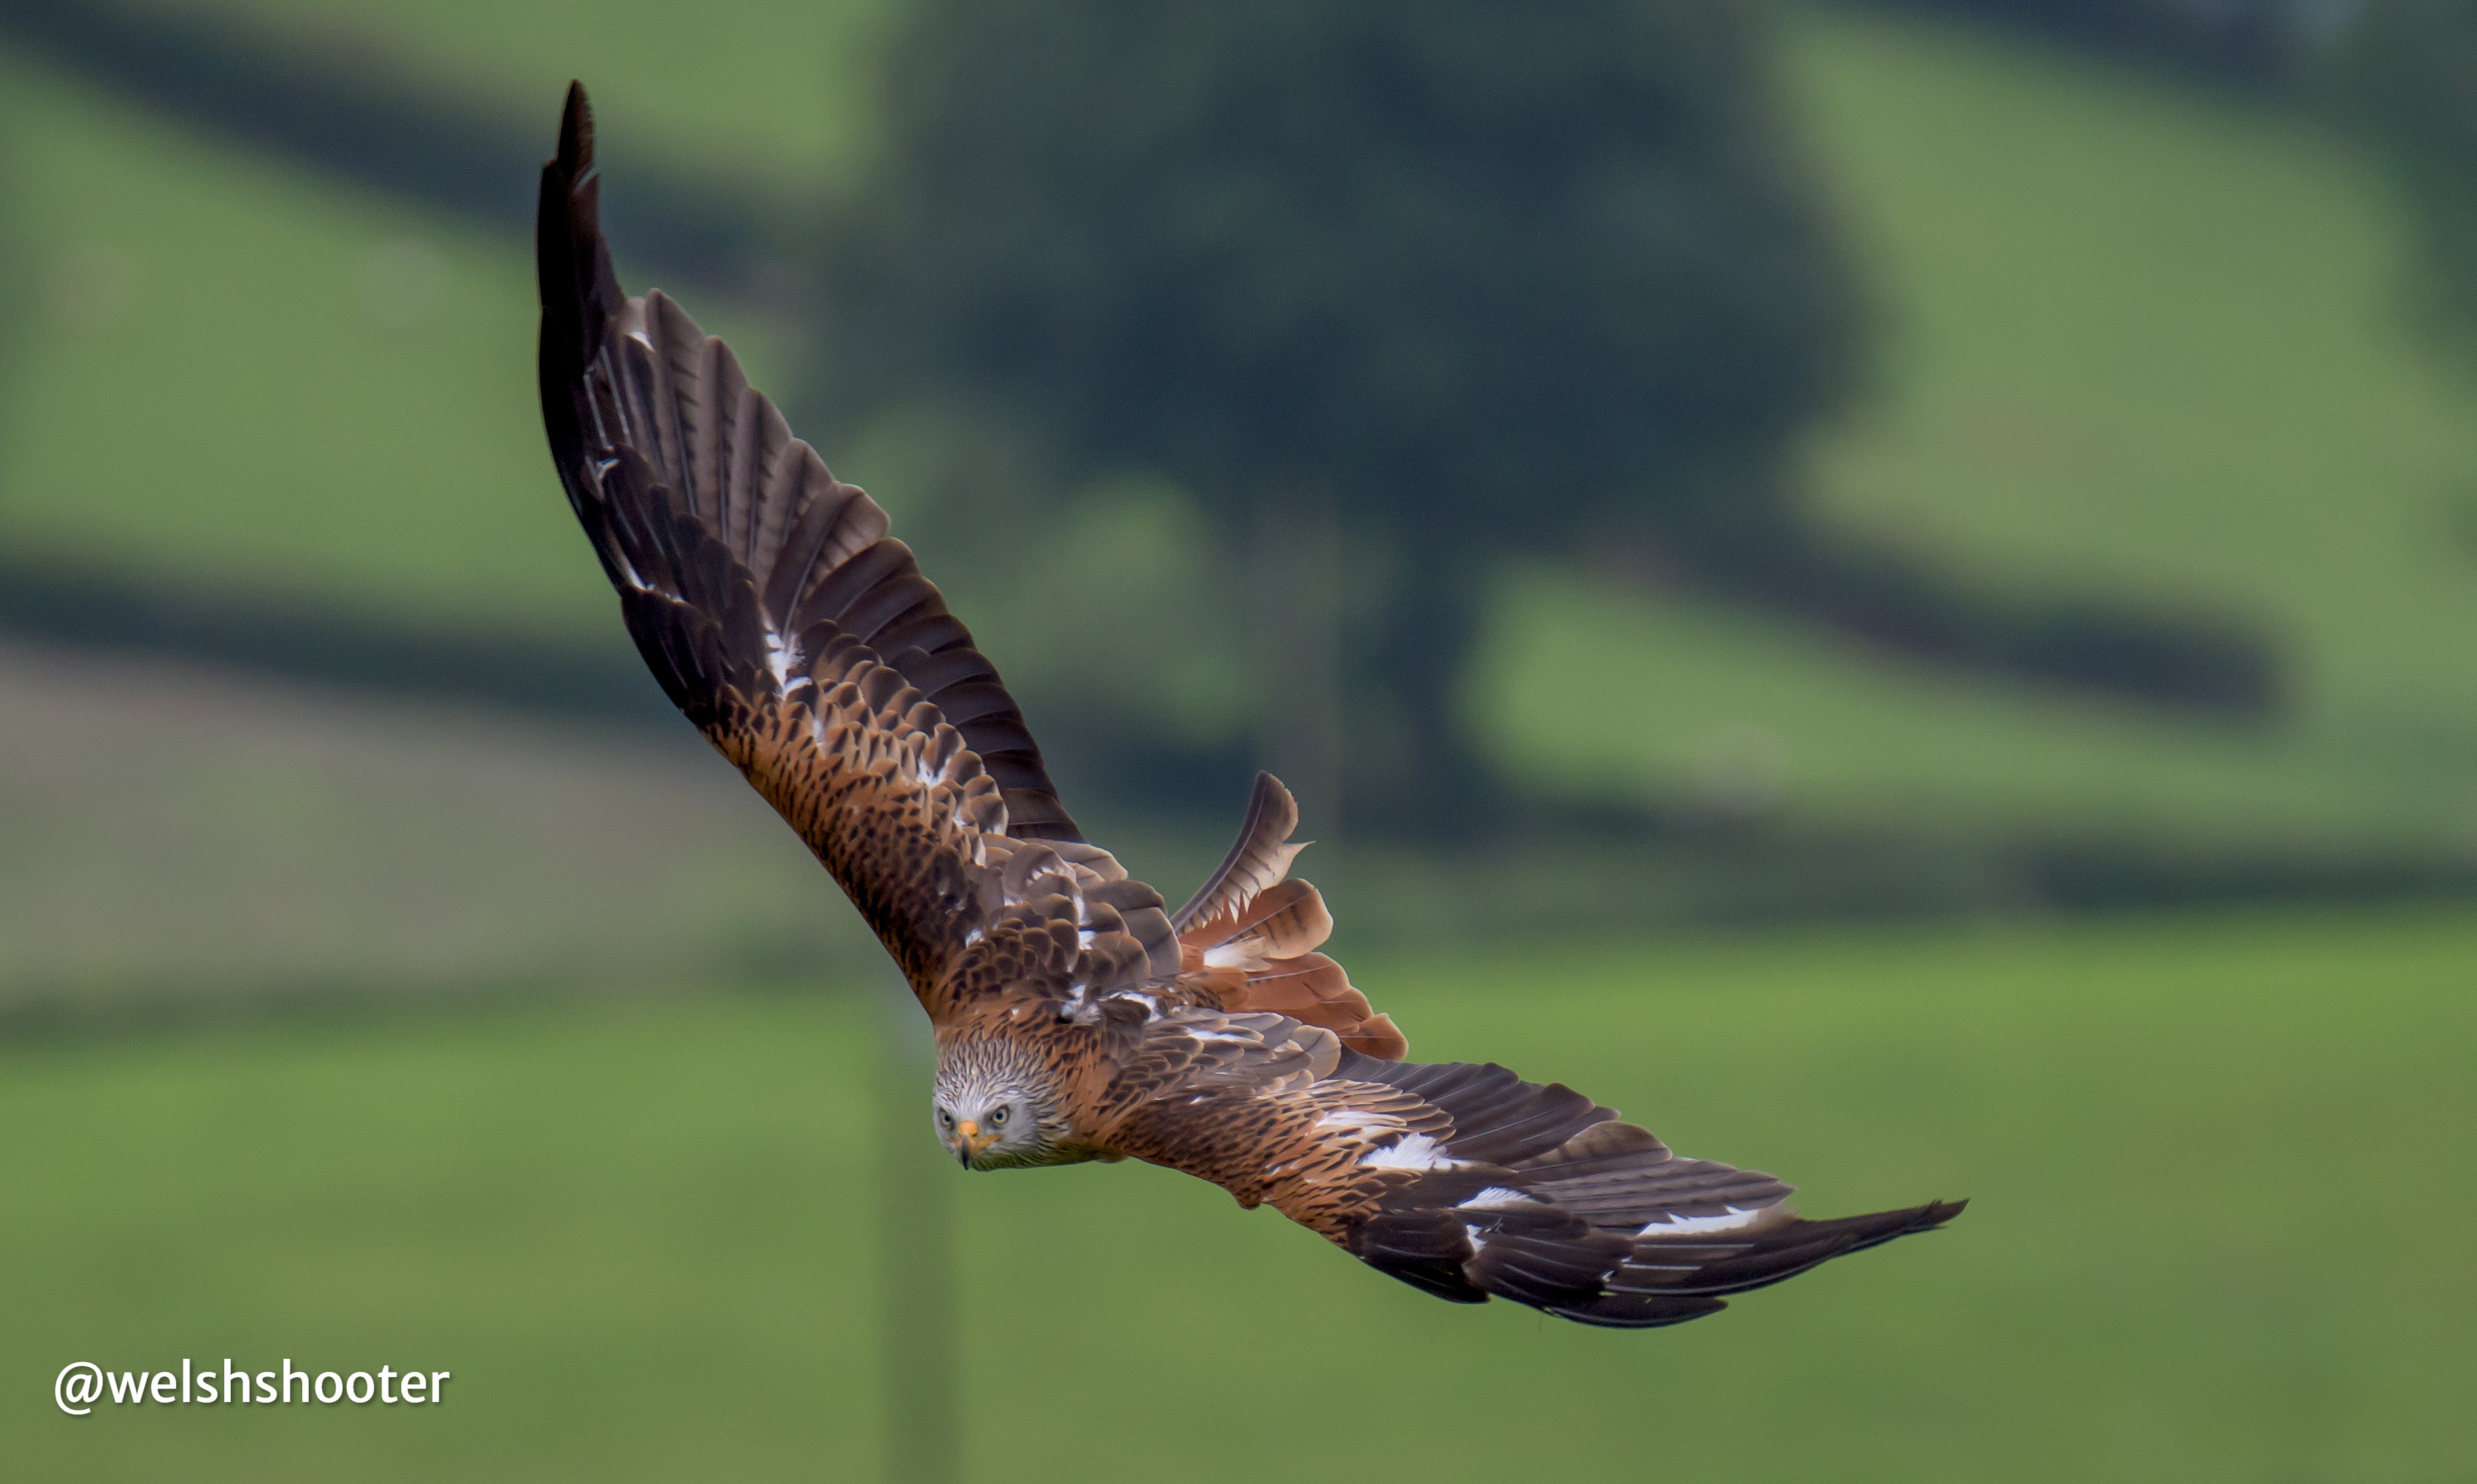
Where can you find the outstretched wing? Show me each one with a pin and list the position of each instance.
(778, 615)
(1466, 1181)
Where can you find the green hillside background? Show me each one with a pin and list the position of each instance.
(353, 1028)
(2139, 340)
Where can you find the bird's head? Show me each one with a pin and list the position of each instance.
(995, 1107)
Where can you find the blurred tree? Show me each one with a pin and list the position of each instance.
(2247, 41)
(2409, 74)
(1396, 288)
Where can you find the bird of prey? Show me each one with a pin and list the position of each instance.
(1076, 1017)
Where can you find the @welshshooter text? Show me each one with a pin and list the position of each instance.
(82, 1385)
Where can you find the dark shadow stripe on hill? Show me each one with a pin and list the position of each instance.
(1637, 867)
(361, 115)
(2259, 46)
(66, 606)
(2189, 659)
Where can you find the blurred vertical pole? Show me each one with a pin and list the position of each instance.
(915, 1257)
(1297, 597)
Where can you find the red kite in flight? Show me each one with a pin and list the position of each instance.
(1076, 1017)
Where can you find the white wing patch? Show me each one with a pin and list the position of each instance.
(1496, 1197)
(1215, 1033)
(1688, 1226)
(1354, 1119)
(782, 657)
(1415, 1152)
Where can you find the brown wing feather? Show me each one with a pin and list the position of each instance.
(1465, 1181)
(1260, 856)
(1249, 934)
(778, 615)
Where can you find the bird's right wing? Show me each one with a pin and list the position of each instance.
(778, 615)
(1466, 1181)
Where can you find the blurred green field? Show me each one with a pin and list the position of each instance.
(227, 402)
(2139, 341)
(2219, 1168)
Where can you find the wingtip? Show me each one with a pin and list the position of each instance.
(576, 131)
(580, 293)
(1272, 796)
(1935, 1213)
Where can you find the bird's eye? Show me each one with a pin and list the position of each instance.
(997, 1115)
(945, 1117)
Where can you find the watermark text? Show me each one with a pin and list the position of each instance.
(83, 1385)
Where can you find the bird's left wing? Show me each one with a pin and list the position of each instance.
(1465, 1181)
(805, 643)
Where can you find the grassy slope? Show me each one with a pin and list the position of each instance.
(2217, 1168)
(234, 409)
(2154, 341)
(768, 87)
(2140, 342)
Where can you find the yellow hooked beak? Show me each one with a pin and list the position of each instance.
(969, 1141)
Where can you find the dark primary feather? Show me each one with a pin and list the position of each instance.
(776, 612)
(811, 553)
